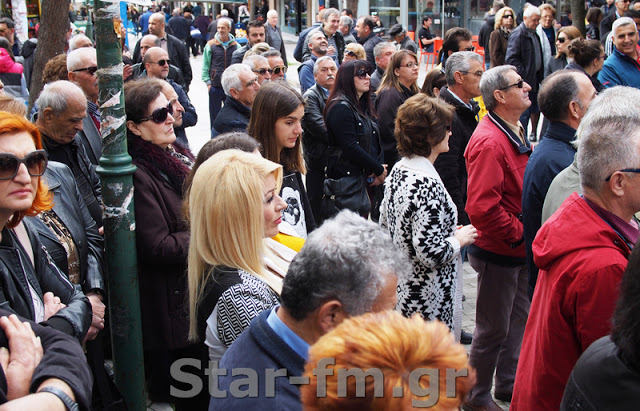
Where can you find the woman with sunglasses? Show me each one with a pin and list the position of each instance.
(565, 36)
(588, 56)
(354, 141)
(397, 85)
(499, 39)
(275, 123)
(421, 216)
(354, 51)
(162, 235)
(32, 286)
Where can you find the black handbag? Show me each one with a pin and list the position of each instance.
(348, 192)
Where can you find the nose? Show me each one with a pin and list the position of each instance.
(170, 119)
(23, 175)
(267, 76)
(298, 128)
(527, 87)
(280, 203)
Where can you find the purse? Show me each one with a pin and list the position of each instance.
(348, 192)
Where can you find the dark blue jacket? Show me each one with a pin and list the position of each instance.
(260, 348)
(234, 116)
(554, 153)
(305, 74)
(520, 53)
(620, 70)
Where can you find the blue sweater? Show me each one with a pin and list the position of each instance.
(620, 70)
(554, 153)
(260, 348)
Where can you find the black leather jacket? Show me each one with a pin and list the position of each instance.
(71, 210)
(16, 269)
(315, 139)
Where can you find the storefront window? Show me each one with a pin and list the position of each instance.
(387, 11)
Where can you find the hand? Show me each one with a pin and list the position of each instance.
(208, 87)
(97, 318)
(101, 230)
(466, 235)
(52, 305)
(331, 51)
(23, 356)
(127, 72)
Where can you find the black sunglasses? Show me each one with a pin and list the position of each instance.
(362, 74)
(261, 71)
(91, 70)
(162, 62)
(624, 170)
(351, 53)
(472, 48)
(561, 39)
(35, 161)
(519, 84)
(506, 16)
(159, 115)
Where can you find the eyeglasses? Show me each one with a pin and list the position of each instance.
(561, 40)
(519, 84)
(507, 16)
(162, 62)
(278, 69)
(362, 74)
(159, 115)
(35, 161)
(261, 71)
(624, 170)
(472, 48)
(91, 70)
(475, 73)
(409, 65)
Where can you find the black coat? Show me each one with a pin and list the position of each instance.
(71, 210)
(520, 53)
(451, 165)
(15, 269)
(338, 38)
(387, 104)
(485, 34)
(234, 116)
(316, 139)
(369, 43)
(238, 55)
(178, 54)
(162, 242)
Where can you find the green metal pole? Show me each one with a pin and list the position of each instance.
(116, 173)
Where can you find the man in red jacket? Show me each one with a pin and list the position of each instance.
(496, 157)
(582, 252)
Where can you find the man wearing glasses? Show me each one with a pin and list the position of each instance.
(496, 156)
(582, 252)
(278, 68)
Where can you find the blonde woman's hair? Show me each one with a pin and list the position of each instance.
(358, 50)
(227, 221)
(396, 346)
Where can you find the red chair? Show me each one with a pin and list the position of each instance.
(432, 57)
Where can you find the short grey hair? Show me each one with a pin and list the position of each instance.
(492, 80)
(348, 259)
(530, 11)
(224, 20)
(381, 47)
(76, 59)
(315, 34)
(321, 60)
(330, 12)
(57, 95)
(231, 77)
(460, 61)
(623, 21)
(346, 21)
(608, 136)
(73, 43)
(252, 61)
(271, 13)
(271, 53)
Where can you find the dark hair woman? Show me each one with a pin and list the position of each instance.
(276, 116)
(32, 286)
(588, 56)
(565, 36)
(433, 82)
(594, 17)
(162, 235)
(354, 142)
(421, 216)
(398, 84)
(499, 39)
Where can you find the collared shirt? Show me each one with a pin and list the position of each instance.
(297, 344)
(92, 110)
(628, 230)
(460, 100)
(274, 36)
(516, 128)
(325, 91)
(163, 43)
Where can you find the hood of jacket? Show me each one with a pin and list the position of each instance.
(7, 65)
(557, 239)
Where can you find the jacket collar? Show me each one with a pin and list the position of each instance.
(518, 145)
(561, 131)
(238, 106)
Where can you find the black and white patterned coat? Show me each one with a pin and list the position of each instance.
(421, 218)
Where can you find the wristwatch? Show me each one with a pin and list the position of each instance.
(68, 402)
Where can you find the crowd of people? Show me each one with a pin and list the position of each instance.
(332, 223)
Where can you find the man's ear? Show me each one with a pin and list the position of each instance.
(330, 314)
(72, 76)
(234, 93)
(134, 128)
(47, 114)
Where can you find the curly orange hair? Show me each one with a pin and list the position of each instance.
(12, 124)
(396, 346)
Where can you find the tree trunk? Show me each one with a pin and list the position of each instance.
(578, 14)
(54, 24)
(353, 5)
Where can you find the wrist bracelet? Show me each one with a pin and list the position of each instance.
(68, 402)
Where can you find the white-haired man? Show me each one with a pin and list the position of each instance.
(622, 68)
(272, 34)
(240, 85)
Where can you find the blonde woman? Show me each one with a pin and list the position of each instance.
(505, 23)
(354, 51)
(233, 206)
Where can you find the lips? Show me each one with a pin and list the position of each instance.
(278, 221)
(22, 192)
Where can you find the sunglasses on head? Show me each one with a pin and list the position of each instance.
(350, 53)
(278, 69)
(261, 71)
(35, 161)
(91, 70)
(162, 62)
(519, 84)
(561, 39)
(362, 74)
(159, 115)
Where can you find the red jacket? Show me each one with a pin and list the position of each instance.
(496, 159)
(581, 260)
